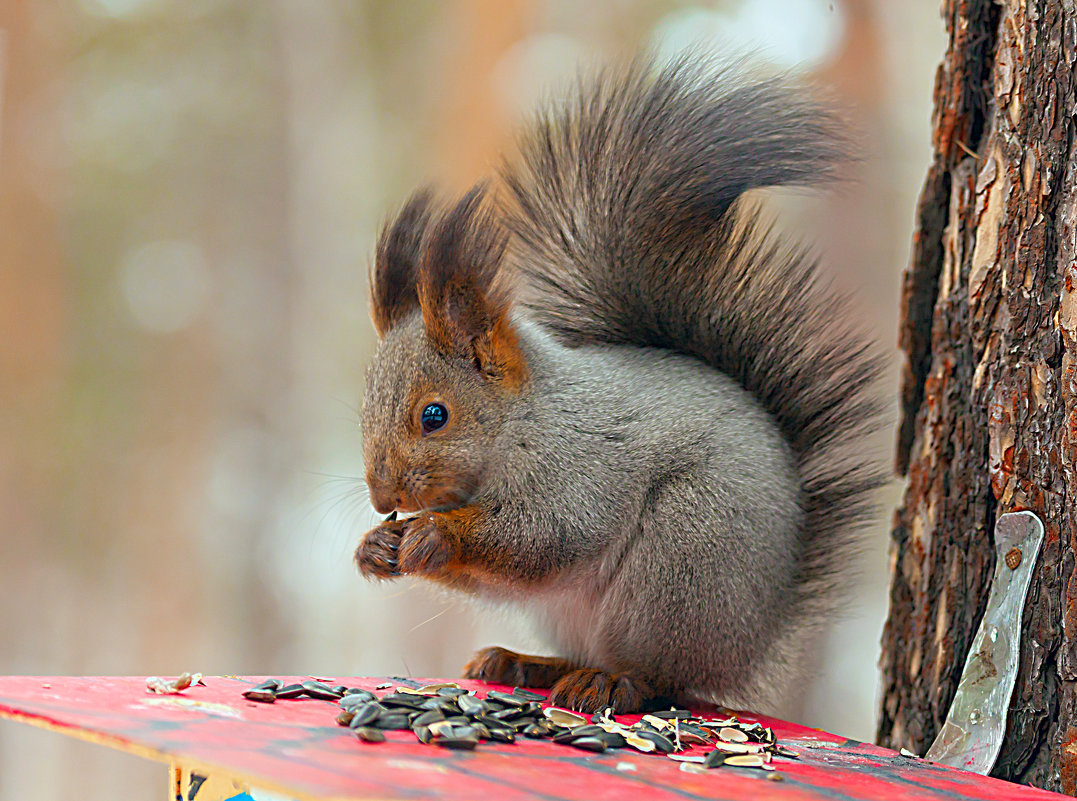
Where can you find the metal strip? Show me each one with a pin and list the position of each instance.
(972, 735)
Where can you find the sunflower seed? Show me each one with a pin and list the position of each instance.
(470, 705)
(369, 735)
(428, 717)
(457, 743)
(393, 722)
(527, 695)
(612, 739)
(715, 759)
(589, 744)
(537, 731)
(291, 691)
(315, 689)
(367, 713)
(440, 728)
(662, 744)
(502, 735)
(261, 696)
(670, 714)
(508, 699)
(344, 717)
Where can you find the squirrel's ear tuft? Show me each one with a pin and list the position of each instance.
(395, 275)
(465, 293)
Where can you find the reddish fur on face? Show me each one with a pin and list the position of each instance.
(593, 690)
(502, 666)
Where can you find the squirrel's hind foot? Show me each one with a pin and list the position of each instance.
(502, 666)
(594, 690)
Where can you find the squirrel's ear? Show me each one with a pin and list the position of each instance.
(395, 275)
(464, 292)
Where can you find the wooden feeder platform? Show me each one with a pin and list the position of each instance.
(221, 746)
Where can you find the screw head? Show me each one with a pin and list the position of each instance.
(1013, 558)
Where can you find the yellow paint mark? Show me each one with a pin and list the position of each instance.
(221, 710)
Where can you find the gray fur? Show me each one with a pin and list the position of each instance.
(677, 482)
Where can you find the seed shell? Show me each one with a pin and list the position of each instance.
(562, 717)
(639, 743)
(745, 761)
(731, 735)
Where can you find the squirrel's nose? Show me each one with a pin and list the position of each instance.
(383, 499)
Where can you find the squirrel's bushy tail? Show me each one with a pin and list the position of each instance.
(625, 205)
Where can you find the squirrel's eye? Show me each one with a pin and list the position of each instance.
(434, 416)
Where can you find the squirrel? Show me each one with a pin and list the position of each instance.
(612, 398)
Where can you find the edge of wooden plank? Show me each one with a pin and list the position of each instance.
(167, 758)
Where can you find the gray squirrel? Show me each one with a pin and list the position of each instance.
(613, 399)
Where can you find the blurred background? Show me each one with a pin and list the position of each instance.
(189, 194)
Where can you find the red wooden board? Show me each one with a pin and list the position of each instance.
(294, 747)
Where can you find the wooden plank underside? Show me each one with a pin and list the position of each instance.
(293, 747)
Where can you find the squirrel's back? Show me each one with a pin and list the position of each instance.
(629, 228)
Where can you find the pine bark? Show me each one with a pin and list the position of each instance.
(989, 390)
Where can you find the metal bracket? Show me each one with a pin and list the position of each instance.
(971, 737)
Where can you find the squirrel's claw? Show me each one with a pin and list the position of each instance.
(502, 666)
(594, 690)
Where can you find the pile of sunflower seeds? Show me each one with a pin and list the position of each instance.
(452, 717)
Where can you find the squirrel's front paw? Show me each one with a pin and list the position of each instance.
(397, 547)
(422, 548)
(376, 555)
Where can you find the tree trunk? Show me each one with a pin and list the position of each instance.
(989, 396)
